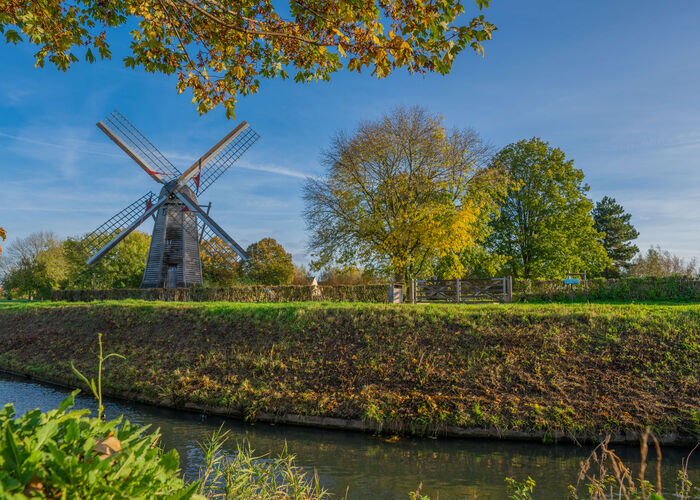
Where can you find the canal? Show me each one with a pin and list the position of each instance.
(365, 466)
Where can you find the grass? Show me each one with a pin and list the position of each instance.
(583, 369)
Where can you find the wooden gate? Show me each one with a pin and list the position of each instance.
(470, 290)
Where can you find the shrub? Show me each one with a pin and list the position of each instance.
(67, 454)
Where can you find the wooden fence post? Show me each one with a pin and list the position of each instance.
(509, 296)
(459, 291)
(412, 291)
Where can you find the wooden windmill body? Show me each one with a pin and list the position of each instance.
(173, 258)
(183, 233)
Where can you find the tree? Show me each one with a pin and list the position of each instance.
(336, 275)
(545, 225)
(219, 269)
(30, 247)
(3, 235)
(269, 263)
(475, 262)
(221, 48)
(34, 265)
(400, 193)
(302, 275)
(658, 262)
(612, 221)
(122, 267)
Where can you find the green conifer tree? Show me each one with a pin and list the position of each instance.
(612, 220)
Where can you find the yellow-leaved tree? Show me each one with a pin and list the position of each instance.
(401, 193)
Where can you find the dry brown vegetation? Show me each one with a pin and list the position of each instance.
(582, 371)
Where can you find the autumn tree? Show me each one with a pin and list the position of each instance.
(614, 224)
(545, 225)
(220, 266)
(269, 263)
(661, 263)
(3, 235)
(348, 275)
(302, 275)
(121, 267)
(399, 193)
(219, 48)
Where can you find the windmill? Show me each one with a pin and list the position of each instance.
(183, 233)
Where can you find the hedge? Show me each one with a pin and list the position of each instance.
(258, 293)
(671, 289)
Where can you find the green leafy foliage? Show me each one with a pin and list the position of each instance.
(269, 263)
(122, 267)
(520, 490)
(475, 262)
(545, 225)
(220, 49)
(62, 453)
(40, 263)
(614, 224)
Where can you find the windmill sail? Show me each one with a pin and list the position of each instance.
(213, 226)
(97, 239)
(219, 159)
(184, 237)
(140, 149)
(214, 252)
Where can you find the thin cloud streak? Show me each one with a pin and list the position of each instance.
(74, 149)
(271, 169)
(275, 170)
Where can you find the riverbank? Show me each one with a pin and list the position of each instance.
(544, 371)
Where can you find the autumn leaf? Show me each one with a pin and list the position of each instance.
(221, 49)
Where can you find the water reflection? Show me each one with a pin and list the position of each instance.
(372, 467)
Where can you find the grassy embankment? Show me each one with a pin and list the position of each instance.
(540, 370)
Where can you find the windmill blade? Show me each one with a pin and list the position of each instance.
(215, 228)
(105, 237)
(140, 149)
(204, 172)
(213, 250)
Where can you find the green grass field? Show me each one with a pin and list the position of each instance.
(581, 369)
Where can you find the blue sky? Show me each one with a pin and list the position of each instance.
(613, 84)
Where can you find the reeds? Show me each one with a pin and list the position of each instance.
(607, 477)
(245, 475)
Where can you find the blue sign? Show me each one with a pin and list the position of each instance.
(571, 281)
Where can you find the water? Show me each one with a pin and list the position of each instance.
(365, 466)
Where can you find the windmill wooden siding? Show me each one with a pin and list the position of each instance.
(173, 257)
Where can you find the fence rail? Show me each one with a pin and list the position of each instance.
(462, 290)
